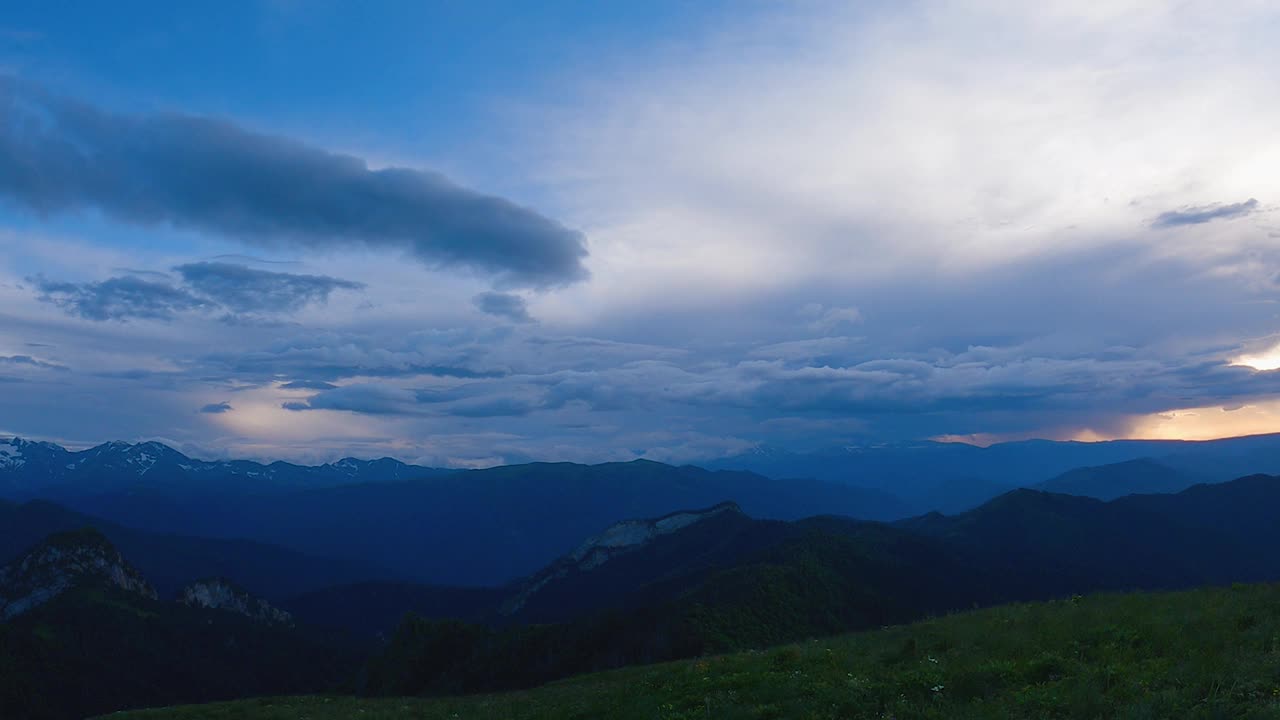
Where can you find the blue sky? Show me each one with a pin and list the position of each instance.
(468, 233)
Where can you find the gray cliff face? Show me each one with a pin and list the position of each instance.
(61, 562)
(222, 594)
(623, 537)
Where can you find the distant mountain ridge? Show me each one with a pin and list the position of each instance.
(511, 519)
(30, 469)
(514, 520)
(1142, 476)
(952, 476)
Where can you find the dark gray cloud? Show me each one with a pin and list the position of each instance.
(998, 388)
(1204, 214)
(120, 298)
(206, 286)
(216, 408)
(212, 175)
(471, 401)
(308, 385)
(503, 305)
(368, 399)
(243, 289)
(313, 357)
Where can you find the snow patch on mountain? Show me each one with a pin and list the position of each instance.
(11, 457)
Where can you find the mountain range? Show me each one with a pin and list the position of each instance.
(170, 561)
(84, 632)
(380, 514)
(382, 519)
(677, 584)
(952, 476)
(723, 581)
(30, 469)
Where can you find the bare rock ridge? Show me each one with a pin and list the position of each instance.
(629, 534)
(61, 562)
(222, 594)
(620, 538)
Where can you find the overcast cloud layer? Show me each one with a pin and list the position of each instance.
(809, 225)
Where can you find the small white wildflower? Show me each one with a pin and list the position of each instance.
(938, 688)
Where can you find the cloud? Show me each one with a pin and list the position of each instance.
(829, 319)
(212, 175)
(969, 222)
(216, 408)
(28, 361)
(503, 305)
(120, 298)
(368, 398)
(242, 289)
(205, 287)
(1204, 214)
(308, 385)
(321, 357)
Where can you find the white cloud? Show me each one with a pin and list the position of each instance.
(919, 139)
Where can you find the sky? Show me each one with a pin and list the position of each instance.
(465, 234)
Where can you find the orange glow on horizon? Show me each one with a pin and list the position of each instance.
(1202, 423)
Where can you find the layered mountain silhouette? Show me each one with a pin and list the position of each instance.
(84, 633)
(674, 585)
(1131, 477)
(171, 561)
(512, 519)
(516, 519)
(952, 477)
(657, 596)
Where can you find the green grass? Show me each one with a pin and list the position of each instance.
(1200, 654)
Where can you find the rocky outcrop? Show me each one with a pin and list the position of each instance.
(623, 537)
(222, 594)
(629, 534)
(61, 562)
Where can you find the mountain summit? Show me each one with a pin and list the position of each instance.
(61, 562)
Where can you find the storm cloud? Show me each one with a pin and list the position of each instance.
(212, 175)
(119, 298)
(205, 287)
(246, 290)
(1204, 214)
(216, 408)
(503, 305)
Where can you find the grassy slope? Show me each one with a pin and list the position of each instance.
(1200, 654)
